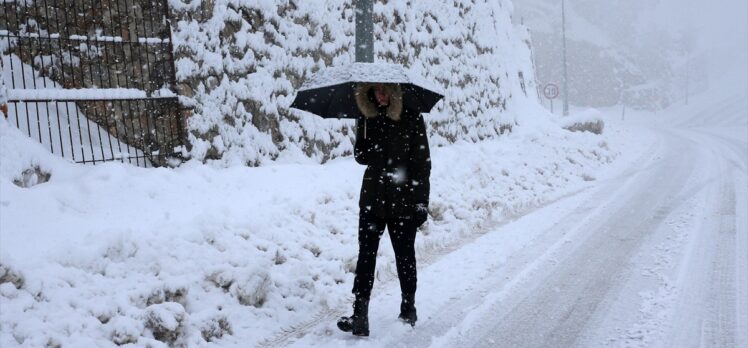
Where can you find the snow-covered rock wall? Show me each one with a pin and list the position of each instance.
(239, 63)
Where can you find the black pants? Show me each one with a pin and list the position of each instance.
(403, 236)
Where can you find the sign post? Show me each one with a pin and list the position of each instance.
(566, 77)
(364, 31)
(550, 91)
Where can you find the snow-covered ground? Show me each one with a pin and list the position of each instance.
(544, 237)
(114, 254)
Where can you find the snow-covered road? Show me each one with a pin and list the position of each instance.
(656, 255)
(651, 259)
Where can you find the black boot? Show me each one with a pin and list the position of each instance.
(408, 309)
(358, 323)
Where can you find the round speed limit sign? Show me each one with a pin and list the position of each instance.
(550, 91)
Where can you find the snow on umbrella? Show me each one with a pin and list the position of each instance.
(330, 93)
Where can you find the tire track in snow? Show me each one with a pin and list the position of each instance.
(719, 328)
(660, 194)
(389, 275)
(656, 306)
(522, 263)
(522, 271)
(559, 311)
(698, 304)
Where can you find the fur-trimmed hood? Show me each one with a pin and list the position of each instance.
(369, 108)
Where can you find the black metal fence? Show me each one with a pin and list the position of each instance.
(92, 80)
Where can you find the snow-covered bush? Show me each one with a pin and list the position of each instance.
(32, 176)
(165, 320)
(215, 328)
(124, 330)
(595, 126)
(9, 275)
(239, 63)
(251, 289)
(588, 120)
(248, 285)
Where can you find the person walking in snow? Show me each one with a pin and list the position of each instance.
(391, 141)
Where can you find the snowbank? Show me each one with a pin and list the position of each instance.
(589, 120)
(111, 254)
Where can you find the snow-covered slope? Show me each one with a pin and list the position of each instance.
(618, 52)
(723, 105)
(240, 62)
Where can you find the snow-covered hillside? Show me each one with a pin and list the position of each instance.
(239, 63)
(633, 52)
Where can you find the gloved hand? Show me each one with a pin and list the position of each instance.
(421, 213)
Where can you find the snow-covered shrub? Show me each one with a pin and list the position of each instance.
(9, 275)
(215, 328)
(589, 126)
(32, 176)
(249, 285)
(279, 258)
(221, 279)
(177, 295)
(124, 330)
(239, 63)
(165, 320)
(251, 289)
(589, 120)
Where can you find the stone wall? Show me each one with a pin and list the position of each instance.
(239, 63)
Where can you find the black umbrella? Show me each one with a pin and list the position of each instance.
(330, 93)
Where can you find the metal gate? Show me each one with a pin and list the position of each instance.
(93, 80)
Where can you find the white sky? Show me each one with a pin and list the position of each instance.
(719, 28)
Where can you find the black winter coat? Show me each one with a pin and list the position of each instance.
(398, 162)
